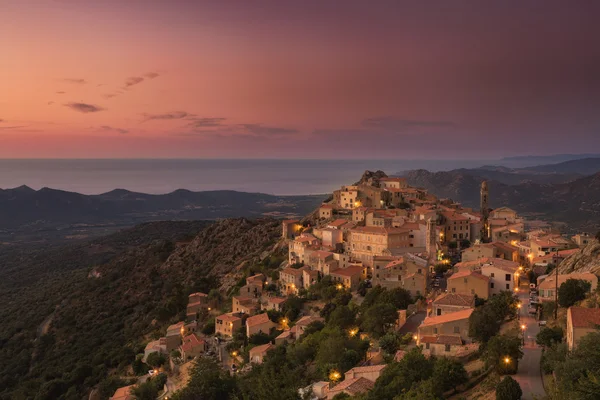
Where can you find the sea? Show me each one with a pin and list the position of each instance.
(157, 176)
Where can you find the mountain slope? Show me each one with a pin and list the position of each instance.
(140, 282)
(575, 203)
(42, 213)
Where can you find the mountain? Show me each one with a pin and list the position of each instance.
(585, 166)
(529, 161)
(74, 314)
(587, 260)
(28, 215)
(576, 203)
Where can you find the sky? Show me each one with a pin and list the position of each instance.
(298, 79)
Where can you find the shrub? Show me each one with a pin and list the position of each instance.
(508, 389)
(572, 291)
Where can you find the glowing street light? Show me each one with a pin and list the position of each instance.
(415, 338)
(234, 353)
(506, 360)
(334, 376)
(352, 332)
(523, 328)
(519, 306)
(339, 286)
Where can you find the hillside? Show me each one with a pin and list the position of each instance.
(588, 260)
(141, 280)
(47, 214)
(575, 203)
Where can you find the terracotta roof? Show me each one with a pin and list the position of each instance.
(257, 277)
(442, 339)
(442, 319)
(368, 368)
(549, 282)
(464, 274)
(228, 318)
(277, 300)
(322, 254)
(379, 230)
(260, 349)
(175, 327)
(350, 271)
(337, 223)
(505, 265)
(454, 299)
(584, 317)
(198, 294)
(454, 216)
(504, 246)
(397, 261)
(257, 319)
(354, 385)
(192, 341)
(561, 254)
(326, 206)
(392, 179)
(290, 221)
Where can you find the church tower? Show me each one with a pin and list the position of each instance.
(431, 238)
(485, 212)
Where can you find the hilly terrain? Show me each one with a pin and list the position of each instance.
(74, 314)
(27, 215)
(575, 204)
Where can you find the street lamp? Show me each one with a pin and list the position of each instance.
(523, 328)
(339, 286)
(506, 360)
(334, 376)
(415, 337)
(352, 332)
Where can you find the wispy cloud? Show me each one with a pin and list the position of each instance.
(260, 130)
(152, 75)
(84, 108)
(75, 81)
(61, 92)
(13, 127)
(110, 95)
(167, 116)
(133, 80)
(50, 103)
(402, 125)
(110, 128)
(207, 122)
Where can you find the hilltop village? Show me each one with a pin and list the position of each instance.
(384, 276)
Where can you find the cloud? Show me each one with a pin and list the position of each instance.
(260, 130)
(134, 80)
(401, 125)
(1, 120)
(50, 103)
(83, 107)
(167, 116)
(110, 128)
(109, 95)
(152, 75)
(76, 81)
(61, 92)
(206, 122)
(13, 127)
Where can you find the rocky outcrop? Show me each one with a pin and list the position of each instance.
(587, 260)
(370, 177)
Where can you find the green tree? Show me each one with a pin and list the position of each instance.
(378, 318)
(508, 389)
(448, 374)
(548, 308)
(209, 327)
(207, 381)
(390, 342)
(342, 317)
(424, 390)
(156, 359)
(549, 336)
(483, 324)
(572, 291)
(503, 353)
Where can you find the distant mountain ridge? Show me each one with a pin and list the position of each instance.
(575, 203)
(26, 210)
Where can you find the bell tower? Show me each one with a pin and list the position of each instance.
(431, 238)
(485, 212)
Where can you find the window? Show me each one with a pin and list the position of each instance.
(447, 347)
(507, 277)
(491, 285)
(435, 330)
(464, 280)
(456, 329)
(472, 291)
(439, 311)
(492, 275)
(508, 286)
(453, 290)
(427, 346)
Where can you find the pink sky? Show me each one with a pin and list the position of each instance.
(297, 79)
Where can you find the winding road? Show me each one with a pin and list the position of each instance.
(529, 374)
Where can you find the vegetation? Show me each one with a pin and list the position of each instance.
(503, 352)
(486, 320)
(149, 390)
(572, 291)
(549, 336)
(508, 389)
